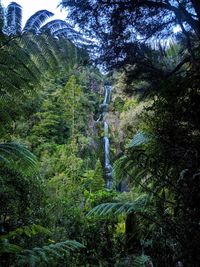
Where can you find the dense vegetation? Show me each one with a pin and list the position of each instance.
(55, 209)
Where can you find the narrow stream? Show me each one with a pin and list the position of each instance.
(104, 109)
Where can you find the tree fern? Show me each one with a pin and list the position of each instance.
(24, 60)
(36, 25)
(118, 169)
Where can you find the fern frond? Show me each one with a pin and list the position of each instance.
(117, 208)
(34, 23)
(65, 32)
(7, 247)
(22, 50)
(13, 19)
(118, 168)
(16, 156)
(54, 25)
(1, 19)
(60, 28)
(139, 139)
(29, 231)
(32, 257)
(141, 260)
(47, 50)
(30, 44)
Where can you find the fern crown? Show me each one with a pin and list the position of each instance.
(36, 24)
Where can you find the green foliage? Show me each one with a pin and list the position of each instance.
(119, 104)
(29, 231)
(129, 104)
(74, 94)
(117, 208)
(141, 261)
(7, 247)
(138, 140)
(25, 61)
(15, 156)
(93, 179)
(47, 254)
(48, 100)
(157, 162)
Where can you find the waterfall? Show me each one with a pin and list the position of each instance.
(104, 109)
(107, 165)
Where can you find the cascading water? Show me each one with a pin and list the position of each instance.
(104, 109)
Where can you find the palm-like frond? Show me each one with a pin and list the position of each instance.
(48, 253)
(14, 155)
(118, 168)
(22, 56)
(131, 166)
(138, 205)
(13, 19)
(29, 231)
(126, 169)
(139, 139)
(60, 28)
(7, 247)
(55, 25)
(75, 37)
(10, 70)
(44, 55)
(29, 44)
(34, 23)
(1, 18)
(65, 32)
(18, 73)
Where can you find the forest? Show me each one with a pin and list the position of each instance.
(100, 135)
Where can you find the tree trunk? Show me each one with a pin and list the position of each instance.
(132, 242)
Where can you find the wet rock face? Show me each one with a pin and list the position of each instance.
(108, 168)
(103, 108)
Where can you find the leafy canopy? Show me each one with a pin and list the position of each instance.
(123, 28)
